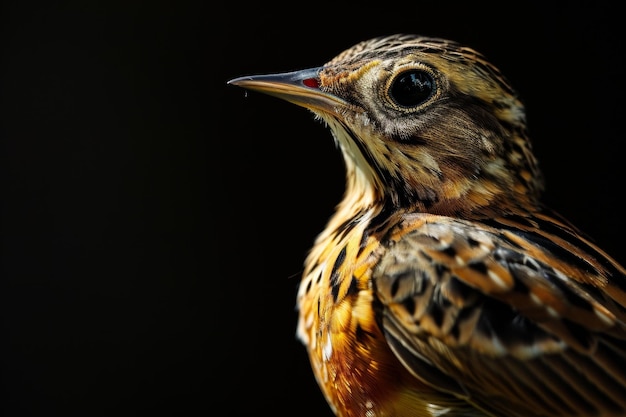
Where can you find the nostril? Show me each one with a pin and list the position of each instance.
(311, 82)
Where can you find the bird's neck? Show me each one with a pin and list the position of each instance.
(491, 196)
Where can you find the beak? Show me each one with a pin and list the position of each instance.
(298, 87)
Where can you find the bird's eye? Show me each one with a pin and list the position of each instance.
(412, 88)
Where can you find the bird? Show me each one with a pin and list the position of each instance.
(442, 284)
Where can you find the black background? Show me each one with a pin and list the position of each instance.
(155, 220)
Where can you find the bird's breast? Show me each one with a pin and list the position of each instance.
(338, 323)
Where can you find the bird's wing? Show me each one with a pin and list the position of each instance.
(517, 310)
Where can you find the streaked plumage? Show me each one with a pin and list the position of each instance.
(442, 285)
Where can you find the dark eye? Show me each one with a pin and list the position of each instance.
(412, 88)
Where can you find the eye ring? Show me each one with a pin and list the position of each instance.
(411, 88)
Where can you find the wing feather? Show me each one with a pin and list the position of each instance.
(497, 315)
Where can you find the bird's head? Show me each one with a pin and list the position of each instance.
(422, 122)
